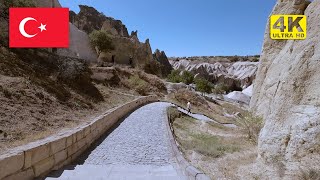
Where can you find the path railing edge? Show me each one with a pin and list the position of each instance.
(38, 158)
(192, 172)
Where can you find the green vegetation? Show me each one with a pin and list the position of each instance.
(138, 84)
(187, 77)
(209, 145)
(201, 142)
(221, 89)
(102, 40)
(176, 77)
(203, 85)
(252, 125)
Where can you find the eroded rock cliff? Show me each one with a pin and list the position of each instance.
(237, 74)
(286, 94)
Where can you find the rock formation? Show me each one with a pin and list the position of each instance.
(89, 19)
(79, 46)
(239, 74)
(47, 3)
(162, 58)
(286, 94)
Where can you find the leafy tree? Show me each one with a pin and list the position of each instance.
(187, 77)
(203, 85)
(102, 40)
(174, 76)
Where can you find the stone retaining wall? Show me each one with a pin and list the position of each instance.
(192, 172)
(39, 158)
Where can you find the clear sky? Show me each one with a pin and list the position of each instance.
(191, 27)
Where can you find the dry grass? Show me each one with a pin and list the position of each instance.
(215, 110)
(217, 150)
(252, 126)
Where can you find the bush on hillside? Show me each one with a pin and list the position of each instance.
(102, 40)
(174, 76)
(252, 125)
(187, 77)
(203, 85)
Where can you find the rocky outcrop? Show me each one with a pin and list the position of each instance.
(162, 58)
(47, 3)
(239, 74)
(286, 94)
(89, 19)
(79, 46)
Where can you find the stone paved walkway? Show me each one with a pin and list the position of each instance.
(138, 149)
(140, 139)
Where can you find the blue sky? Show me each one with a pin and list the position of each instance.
(191, 28)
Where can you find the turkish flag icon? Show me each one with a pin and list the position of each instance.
(39, 27)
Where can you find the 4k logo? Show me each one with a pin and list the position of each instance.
(288, 27)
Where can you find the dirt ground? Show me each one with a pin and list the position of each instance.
(29, 113)
(42, 94)
(218, 151)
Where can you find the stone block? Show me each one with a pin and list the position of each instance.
(60, 156)
(26, 174)
(58, 145)
(36, 154)
(10, 164)
(43, 166)
(87, 130)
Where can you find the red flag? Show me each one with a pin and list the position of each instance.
(39, 27)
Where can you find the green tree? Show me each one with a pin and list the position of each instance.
(203, 85)
(102, 40)
(174, 76)
(187, 77)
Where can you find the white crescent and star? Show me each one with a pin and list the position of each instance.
(22, 24)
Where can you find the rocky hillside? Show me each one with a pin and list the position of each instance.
(126, 46)
(286, 94)
(219, 69)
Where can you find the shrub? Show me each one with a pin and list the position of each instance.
(138, 84)
(203, 85)
(252, 125)
(102, 40)
(221, 89)
(174, 76)
(187, 77)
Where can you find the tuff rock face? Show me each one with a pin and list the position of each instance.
(162, 58)
(286, 94)
(79, 46)
(47, 3)
(89, 19)
(240, 74)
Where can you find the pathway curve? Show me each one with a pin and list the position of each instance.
(138, 149)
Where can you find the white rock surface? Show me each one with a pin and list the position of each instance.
(238, 96)
(241, 73)
(248, 91)
(286, 94)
